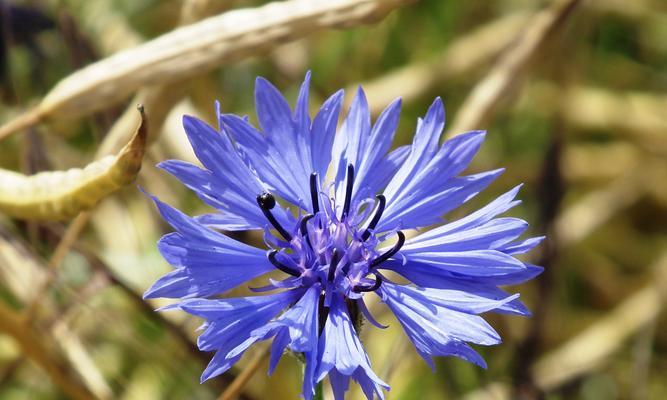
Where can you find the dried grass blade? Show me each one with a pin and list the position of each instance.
(194, 49)
(35, 347)
(484, 98)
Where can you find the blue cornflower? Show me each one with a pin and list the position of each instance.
(332, 244)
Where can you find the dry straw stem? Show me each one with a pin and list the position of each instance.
(482, 101)
(58, 195)
(20, 271)
(235, 389)
(591, 161)
(80, 359)
(160, 99)
(599, 206)
(462, 55)
(35, 346)
(589, 349)
(62, 249)
(196, 48)
(640, 113)
(104, 23)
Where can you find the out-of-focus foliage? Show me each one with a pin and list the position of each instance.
(583, 124)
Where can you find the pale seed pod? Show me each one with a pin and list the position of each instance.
(59, 195)
(194, 49)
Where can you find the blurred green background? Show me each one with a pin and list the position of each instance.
(583, 125)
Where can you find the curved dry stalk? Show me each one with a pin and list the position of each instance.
(463, 54)
(35, 347)
(58, 195)
(597, 207)
(160, 99)
(196, 48)
(234, 390)
(104, 23)
(639, 113)
(588, 350)
(486, 95)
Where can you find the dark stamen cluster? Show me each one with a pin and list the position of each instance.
(267, 202)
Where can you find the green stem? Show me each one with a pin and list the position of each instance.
(319, 392)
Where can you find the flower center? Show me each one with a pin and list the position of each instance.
(336, 251)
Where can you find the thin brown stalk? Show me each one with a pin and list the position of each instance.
(34, 346)
(197, 48)
(478, 107)
(462, 55)
(236, 388)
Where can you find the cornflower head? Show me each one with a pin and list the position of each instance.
(341, 239)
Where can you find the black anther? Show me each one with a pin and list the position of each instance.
(314, 193)
(384, 257)
(348, 189)
(304, 221)
(335, 258)
(375, 286)
(280, 266)
(266, 203)
(304, 228)
(382, 201)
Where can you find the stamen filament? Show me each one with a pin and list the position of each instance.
(375, 286)
(384, 257)
(267, 202)
(272, 258)
(382, 201)
(348, 190)
(314, 193)
(304, 228)
(335, 258)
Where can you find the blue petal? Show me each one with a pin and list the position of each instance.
(300, 321)
(301, 114)
(427, 203)
(341, 353)
(385, 169)
(235, 210)
(473, 263)
(366, 148)
(323, 132)
(350, 142)
(428, 276)
(369, 154)
(284, 146)
(523, 246)
(296, 328)
(227, 183)
(207, 262)
(276, 163)
(340, 384)
(477, 218)
(231, 321)
(492, 235)
(427, 170)
(422, 152)
(463, 301)
(226, 222)
(442, 332)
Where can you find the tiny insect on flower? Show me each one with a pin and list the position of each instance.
(331, 246)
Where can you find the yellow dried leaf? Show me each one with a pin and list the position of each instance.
(58, 195)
